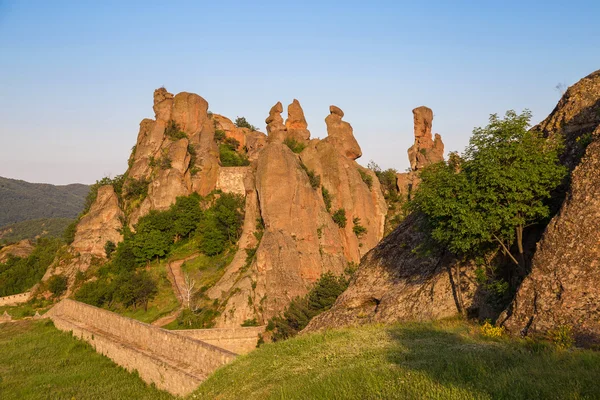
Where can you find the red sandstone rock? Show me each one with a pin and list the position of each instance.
(340, 134)
(297, 128)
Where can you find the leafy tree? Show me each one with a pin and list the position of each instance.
(186, 214)
(494, 191)
(109, 248)
(367, 179)
(136, 288)
(69, 234)
(241, 122)
(57, 285)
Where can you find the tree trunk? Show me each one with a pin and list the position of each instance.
(459, 290)
(521, 252)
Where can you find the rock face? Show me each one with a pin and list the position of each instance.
(563, 287)
(425, 151)
(101, 224)
(340, 134)
(20, 249)
(395, 283)
(295, 124)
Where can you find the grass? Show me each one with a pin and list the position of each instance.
(39, 362)
(443, 360)
(207, 271)
(27, 309)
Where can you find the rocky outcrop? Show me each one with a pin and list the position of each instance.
(563, 287)
(341, 135)
(297, 128)
(101, 224)
(276, 130)
(425, 151)
(20, 249)
(397, 282)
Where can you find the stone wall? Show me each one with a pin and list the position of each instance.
(15, 299)
(231, 179)
(238, 340)
(172, 362)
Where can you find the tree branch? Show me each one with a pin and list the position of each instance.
(505, 249)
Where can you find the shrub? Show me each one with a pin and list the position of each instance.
(69, 234)
(326, 198)
(230, 158)
(219, 135)
(562, 337)
(315, 180)
(241, 122)
(250, 322)
(173, 131)
(367, 179)
(294, 145)
(136, 288)
(109, 248)
(136, 188)
(57, 285)
(358, 229)
(339, 217)
(490, 331)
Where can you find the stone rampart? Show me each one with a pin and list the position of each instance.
(172, 362)
(15, 299)
(238, 340)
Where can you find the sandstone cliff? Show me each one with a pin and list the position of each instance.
(20, 249)
(563, 287)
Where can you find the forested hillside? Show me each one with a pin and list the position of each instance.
(21, 201)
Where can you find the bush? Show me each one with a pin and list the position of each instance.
(339, 217)
(562, 337)
(315, 180)
(490, 331)
(135, 289)
(301, 310)
(219, 135)
(230, 158)
(294, 145)
(57, 285)
(109, 248)
(326, 198)
(250, 322)
(367, 179)
(241, 122)
(69, 234)
(222, 223)
(358, 229)
(173, 131)
(136, 188)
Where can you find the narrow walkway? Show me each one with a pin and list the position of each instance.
(177, 279)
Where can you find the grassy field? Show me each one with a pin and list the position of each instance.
(445, 360)
(39, 362)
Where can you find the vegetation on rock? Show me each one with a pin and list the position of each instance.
(241, 122)
(294, 145)
(339, 217)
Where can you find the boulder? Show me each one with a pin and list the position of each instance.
(425, 150)
(340, 134)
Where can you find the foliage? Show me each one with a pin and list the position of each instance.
(219, 135)
(428, 360)
(490, 194)
(109, 248)
(202, 318)
(326, 198)
(241, 122)
(136, 188)
(358, 229)
(339, 217)
(294, 145)
(57, 285)
(18, 275)
(314, 179)
(69, 233)
(117, 183)
(173, 131)
(222, 224)
(301, 310)
(231, 158)
(250, 322)
(135, 289)
(562, 337)
(32, 229)
(367, 179)
(23, 201)
(387, 179)
(490, 331)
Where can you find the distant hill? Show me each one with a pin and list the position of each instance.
(22, 201)
(34, 228)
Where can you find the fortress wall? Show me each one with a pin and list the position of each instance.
(240, 340)
(15, 299)
(138, 346)
(231, 179)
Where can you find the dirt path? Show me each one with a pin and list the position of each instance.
(177, 279)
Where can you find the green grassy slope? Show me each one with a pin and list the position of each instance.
(22, 200)
(39, 362)
(445, 360)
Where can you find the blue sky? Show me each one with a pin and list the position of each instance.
(76, 78)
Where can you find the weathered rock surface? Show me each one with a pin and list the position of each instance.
(276, 130)
(101, 224)
(20, 249)
(563, 287)
(395, 282)
(297, 128)
(341, 135)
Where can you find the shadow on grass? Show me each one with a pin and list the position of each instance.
(501, 369)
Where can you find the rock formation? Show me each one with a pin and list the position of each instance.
(101, 224)
(563, 287)
(425, 151)
(396, 282)
(340, 134)
(20, 249)
(297, 128)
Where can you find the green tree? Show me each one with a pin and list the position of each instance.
(494, 191)
(57, 285)
(109, 248)
(241, 122)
